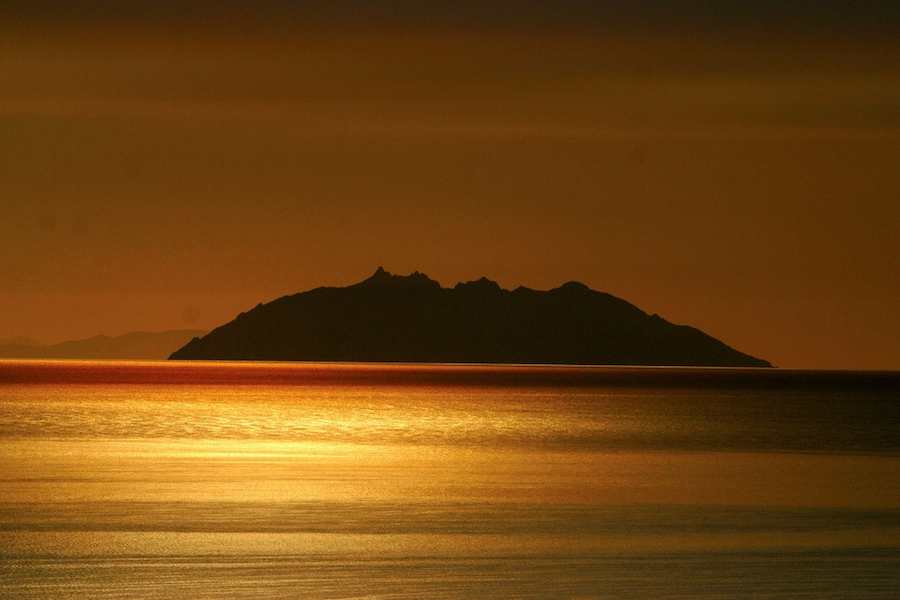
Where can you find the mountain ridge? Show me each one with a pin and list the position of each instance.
(412, 318)
(135, 344)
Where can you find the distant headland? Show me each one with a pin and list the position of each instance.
(147, 345)
(394, 318)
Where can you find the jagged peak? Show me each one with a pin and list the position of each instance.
(482, 283)
(574, 286)
(384, 277)
(380, 274)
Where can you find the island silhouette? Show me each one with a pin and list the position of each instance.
(395, 318)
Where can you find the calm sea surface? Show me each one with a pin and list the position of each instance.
(226, 480)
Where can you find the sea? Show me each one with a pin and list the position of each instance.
(273, 480)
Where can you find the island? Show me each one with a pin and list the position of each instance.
(412, 319)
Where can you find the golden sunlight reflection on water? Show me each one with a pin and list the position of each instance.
(332, 490)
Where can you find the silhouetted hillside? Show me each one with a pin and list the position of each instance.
(139, 344)
(413, 319)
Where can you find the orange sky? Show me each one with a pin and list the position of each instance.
(739, 179)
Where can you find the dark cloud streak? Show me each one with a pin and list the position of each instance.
(809, 16)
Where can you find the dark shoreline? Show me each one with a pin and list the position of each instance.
(427, 374)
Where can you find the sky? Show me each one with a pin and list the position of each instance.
(729, 165)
